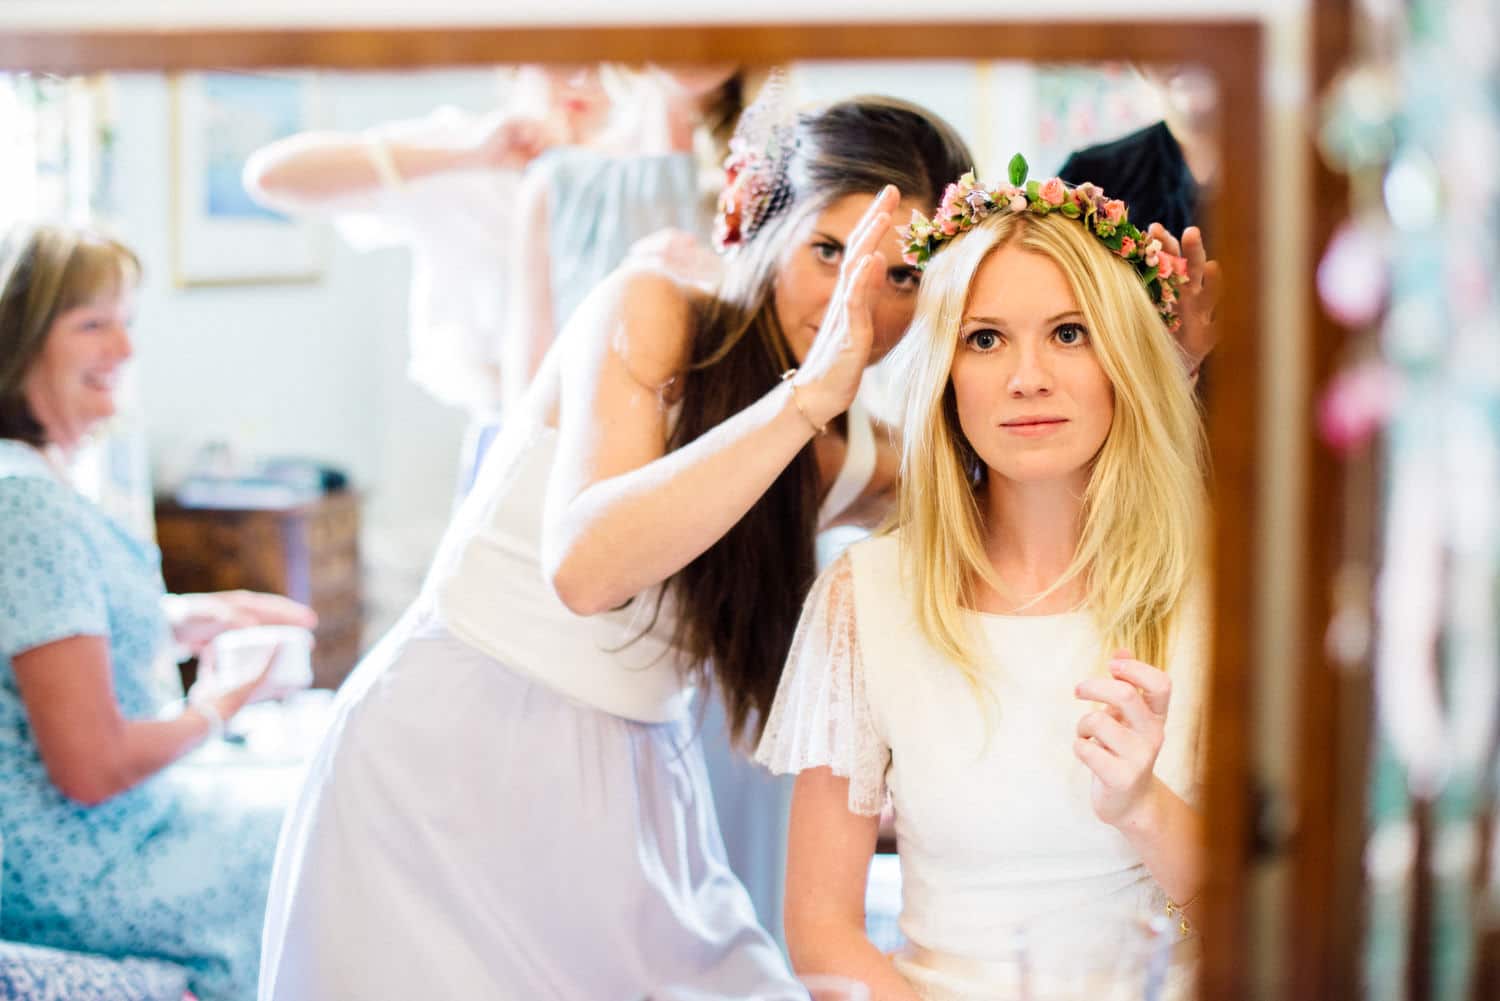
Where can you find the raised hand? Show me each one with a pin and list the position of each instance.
(197, 618)
(506, 140)
(1120, 742)
(1196, 299)
(829, 376)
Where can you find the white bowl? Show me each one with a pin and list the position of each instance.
(239, 656)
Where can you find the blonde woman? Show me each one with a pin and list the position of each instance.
(1017, 665)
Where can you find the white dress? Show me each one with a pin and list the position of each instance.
(1001, 854)
(510, 802)
(460, 226)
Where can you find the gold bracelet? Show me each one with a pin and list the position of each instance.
(1179, 912)
(380, 157)
(205, 708)
(797, 402)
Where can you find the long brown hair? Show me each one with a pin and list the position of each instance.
(47, 269)
(738, 603)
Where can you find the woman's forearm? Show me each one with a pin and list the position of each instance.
(835, 947)
(304, 171)
(145, 747)
(627, 533)
(89, 749)
(1167, 832)
(148, 746)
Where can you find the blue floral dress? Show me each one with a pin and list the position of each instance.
(176, 867)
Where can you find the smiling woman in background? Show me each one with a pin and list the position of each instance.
(107, 850)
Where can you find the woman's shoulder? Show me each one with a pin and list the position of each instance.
(877, 553)
(869, 572)
(28, 490)
(645, 316)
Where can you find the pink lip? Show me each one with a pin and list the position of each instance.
(1034, 427)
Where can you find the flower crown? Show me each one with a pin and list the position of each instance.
(966, 203)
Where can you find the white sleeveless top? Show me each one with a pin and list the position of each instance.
(487, 586)
(994, 824)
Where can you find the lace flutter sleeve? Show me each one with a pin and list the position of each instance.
(821, 716)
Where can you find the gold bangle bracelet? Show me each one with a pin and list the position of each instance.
(1178, 912)
(384, 162)
(797, 402)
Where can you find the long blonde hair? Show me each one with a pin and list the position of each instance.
(1140, 547)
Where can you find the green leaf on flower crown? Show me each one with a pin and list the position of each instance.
(1018, 170)
(1033, 189)
(1070, 209)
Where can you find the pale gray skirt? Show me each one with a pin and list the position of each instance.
(467, 833)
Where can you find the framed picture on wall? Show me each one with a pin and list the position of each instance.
(220, 236)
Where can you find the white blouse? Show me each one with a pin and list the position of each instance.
(996, 832)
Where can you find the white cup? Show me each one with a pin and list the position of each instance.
(239, 656)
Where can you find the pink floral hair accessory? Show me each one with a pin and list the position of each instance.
(966, 203)
(756, 185)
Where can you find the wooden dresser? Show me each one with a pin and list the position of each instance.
(310, 553)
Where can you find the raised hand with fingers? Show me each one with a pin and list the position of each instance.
(197, 618)
(828, 377)
(1120, 742)
(506, 140)
(1197, 299)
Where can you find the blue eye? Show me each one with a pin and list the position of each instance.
(982, 340)
(1071, 334)
(905, 279)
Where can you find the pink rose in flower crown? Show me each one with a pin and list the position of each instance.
(1127, 246)
(1017, 202)
(1114, 211)
(951, 201)
(1053, 192)
(950, 227)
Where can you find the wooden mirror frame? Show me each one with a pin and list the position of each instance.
(1233, 50)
